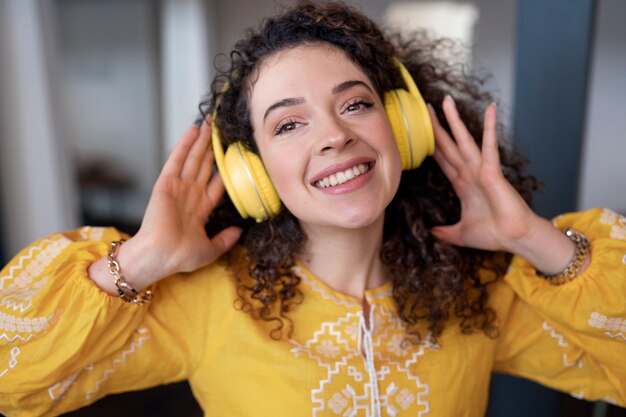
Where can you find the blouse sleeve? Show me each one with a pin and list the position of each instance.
(64, 343)
(572, 337)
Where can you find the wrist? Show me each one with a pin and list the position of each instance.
(137, 263)
(545, 247)
(577, 264)
(125, 290)
(140, 264)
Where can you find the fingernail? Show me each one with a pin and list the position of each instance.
(430, 106)
(450, 99)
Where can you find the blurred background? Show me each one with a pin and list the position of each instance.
(94, 93)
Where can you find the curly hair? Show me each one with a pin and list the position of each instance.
(432, 280)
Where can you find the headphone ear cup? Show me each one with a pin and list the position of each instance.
(251, 190)
(411, 127)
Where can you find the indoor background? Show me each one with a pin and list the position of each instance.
(94, 93)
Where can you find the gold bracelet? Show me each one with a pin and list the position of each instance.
(583, 248)
(124, 289)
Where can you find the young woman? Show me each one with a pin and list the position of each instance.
(372, 288)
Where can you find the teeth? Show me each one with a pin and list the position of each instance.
(342, 176)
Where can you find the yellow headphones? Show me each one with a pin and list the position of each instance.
(251, 189)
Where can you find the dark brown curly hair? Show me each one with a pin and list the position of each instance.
(432, 280)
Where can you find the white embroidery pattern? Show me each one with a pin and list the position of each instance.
(141, 335)
(624, 260)
(608, 217)
(12, 362)
(58, 390)
(615, 327)
(349, 388)
(317, 288)
(16, 325)
(21, 297)
(618, 223)
(562, 343)
(327, 349)
(382, 294)
(21, 284)
(91, 233)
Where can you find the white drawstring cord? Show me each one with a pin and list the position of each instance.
(367, 344)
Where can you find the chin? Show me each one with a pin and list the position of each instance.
(352, 214)
(350, 220)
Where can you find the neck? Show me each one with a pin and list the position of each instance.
(347, 260)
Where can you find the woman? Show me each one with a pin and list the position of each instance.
(369, 291)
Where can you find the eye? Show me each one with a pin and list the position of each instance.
(286, 126)
(357, 104)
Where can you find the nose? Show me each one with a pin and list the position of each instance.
(335, 136)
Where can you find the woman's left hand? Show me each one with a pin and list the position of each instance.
(493, 214)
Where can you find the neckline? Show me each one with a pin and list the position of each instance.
(373, 295)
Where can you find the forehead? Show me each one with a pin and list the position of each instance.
(301, 68)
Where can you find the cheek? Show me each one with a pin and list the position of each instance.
(391, 154)
(284, 172)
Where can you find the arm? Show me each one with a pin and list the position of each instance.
(64, 342)
(566, 336)
(573, 336)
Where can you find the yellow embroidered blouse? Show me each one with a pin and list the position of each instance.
(64, 343)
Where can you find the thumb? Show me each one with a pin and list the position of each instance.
(449, 234)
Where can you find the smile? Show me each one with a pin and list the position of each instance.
(343, 176)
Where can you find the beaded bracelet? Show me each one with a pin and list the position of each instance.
(583, 248)
(124, 289)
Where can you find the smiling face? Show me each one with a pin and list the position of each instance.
(324, 137)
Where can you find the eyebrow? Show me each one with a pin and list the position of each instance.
(283, 103)
(349, 84)
(292, 101)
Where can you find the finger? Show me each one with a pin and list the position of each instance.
(466, 143)
(449, 234)
(448, 169)
(224, 240)
(206, 168)
(176, 160)
(196, 153)
(215, 189)
(444, 142)
(490, 137)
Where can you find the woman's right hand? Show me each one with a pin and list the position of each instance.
(172, 236)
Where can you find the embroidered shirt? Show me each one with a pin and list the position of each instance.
(64, 343)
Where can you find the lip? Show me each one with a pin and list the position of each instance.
(335, 168)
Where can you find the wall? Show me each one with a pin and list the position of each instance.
(110, 95)
(186, 56)
(603, 171)
(38, 194)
